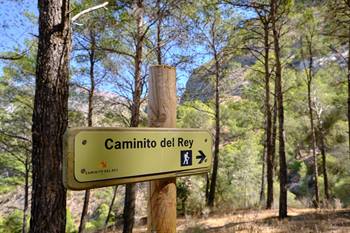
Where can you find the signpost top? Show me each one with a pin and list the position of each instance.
(98, 157)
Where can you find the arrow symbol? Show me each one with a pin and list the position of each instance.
(201, 157)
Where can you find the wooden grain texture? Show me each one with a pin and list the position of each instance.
(162, 113)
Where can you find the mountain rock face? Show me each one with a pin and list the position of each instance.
(200, 85)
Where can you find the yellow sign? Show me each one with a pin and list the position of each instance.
(97, 157)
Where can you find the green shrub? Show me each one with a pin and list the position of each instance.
(70, 226)
(342, 191)
(12, 223)
(98, 218)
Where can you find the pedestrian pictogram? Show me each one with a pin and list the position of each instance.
(186, 157)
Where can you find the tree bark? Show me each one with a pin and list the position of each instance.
(130, 189)
(50, 117)
(129, 207)
(280, 111)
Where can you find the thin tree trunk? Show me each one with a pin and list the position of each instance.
(92, 51)
(274, 136)
(84, 212)
(274, 133)
(309, 76)
(50, 117)
(349, 86)
(207, 186)
(130, 189)
(268, 129)
(211, 196)
(159, 38)
(111, 205)
(26, 195)
(262, 187)
(316, 201)
(324, 163)
(280, 111)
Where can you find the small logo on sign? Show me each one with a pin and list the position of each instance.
(186, 158)
(103, 164)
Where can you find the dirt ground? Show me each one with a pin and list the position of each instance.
(261, 221)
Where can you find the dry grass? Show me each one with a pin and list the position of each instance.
(266, 221)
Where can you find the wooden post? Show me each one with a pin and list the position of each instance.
(162, 113)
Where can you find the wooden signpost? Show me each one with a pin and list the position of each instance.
(99, 157)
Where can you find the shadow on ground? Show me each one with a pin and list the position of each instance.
(335, 221)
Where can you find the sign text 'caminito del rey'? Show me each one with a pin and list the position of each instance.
(97, 157)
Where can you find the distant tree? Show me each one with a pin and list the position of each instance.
(131, 85)
(308, 47)
(92, 57)
(130, 189)
(210, 29)
(258, 43)
(279, 12)
(87, 36)
(320, 133)
(17, 89)
(262, 54)
(338, 27)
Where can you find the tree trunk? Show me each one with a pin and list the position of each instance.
(92, 51)
(50, 117)
(274, 136)
(349, 87)
(262, 187)
(268, 129)
(159, 28)
(26, 194)
(211, 196)
(324, 163)
(84, 212)
(309, 77)
(313, 135)
(280, 111)
(129, 207)
(207, 186)
(111, 205)
(130, 189)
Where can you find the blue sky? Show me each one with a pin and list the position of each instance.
(16, 27)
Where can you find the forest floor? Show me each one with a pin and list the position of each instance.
(257, 221)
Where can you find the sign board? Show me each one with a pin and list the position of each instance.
(98, 157)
